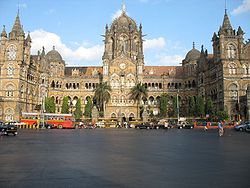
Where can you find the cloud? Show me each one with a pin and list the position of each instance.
(157, 43)
(244, 7)
(82, 54)
(171, 60)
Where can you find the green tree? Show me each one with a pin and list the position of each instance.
(174, 106)
(209, 108)
(137, 93)
(78, 110)
(65, 105)
(102, 96)
(191, 106)
(200, 107)
(88, 108)
(164, 105)
(50, 106)
(222, 115)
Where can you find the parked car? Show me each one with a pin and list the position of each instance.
(46, 125)
(184, 125)
(242, 126)
(7, 129)
(144, 126)
(248, 128)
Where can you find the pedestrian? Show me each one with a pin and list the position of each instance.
(220, 128)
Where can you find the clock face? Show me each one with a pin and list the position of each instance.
(11, 52)
(122, 65)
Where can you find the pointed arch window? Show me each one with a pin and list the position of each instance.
(9, 114)
(245, 69)
(10, 90)
(232, 69)
(231, 51)
(233, 91)
(10, 70)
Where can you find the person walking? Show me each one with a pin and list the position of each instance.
(220, 128)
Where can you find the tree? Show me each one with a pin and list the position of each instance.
(137, 93)
(191, 106)
(65, 105)
(209, 108)
(163, 105)
(50, 106)
(88, 108)
(222, 115)
(78, 110)
(102, 96)
(200, 107)
(175, 107)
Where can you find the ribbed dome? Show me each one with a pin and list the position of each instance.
(53, 55)
(193, 55)
(124, 22)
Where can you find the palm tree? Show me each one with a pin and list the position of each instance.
(102, 95)
(137, 93)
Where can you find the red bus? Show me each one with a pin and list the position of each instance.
(61, 121)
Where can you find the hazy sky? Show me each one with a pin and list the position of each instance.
(74, 27)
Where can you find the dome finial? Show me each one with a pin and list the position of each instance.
(123, 6)
(225, 6)
(54, 47)
(193, 45)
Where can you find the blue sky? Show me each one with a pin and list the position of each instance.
(75, 27)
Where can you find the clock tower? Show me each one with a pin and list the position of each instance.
(14, 56)
(123, 64)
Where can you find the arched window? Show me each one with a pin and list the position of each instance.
(113, 115)
(151, 100)
(245, 68)
(10, 90)
(232, 69)
(53, 84)
(9, 113)
(231, 51)
(10, 70)
(233, 91)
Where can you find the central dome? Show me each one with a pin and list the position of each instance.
(192, 55)
(54, 56)
(124, 22)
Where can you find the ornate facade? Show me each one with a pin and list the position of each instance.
(27, 79)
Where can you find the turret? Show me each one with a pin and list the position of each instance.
(4, 34)
(17, 30)
(226, 28)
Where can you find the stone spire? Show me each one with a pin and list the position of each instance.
(17, 29)
(28, 39)
(226, 22)
(4, 34)
(226, 27)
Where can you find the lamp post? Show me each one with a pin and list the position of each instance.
(177, 105)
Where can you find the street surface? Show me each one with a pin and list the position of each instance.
(125, 158)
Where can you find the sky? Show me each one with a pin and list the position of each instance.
(75, 27)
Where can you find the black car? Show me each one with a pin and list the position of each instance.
(144, 126)
(46, 125)
(7, 129)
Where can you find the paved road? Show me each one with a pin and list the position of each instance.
(125, 158)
